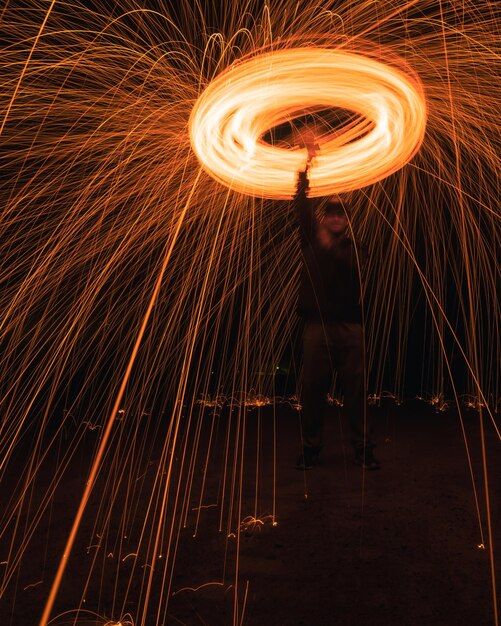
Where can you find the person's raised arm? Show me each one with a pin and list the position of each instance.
(304, 206)
(305, 209)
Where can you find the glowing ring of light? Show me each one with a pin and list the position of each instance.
(231, 116)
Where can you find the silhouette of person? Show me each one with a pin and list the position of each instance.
(329, 302)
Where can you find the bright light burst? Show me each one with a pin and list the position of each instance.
(134, 283)
(244, 103)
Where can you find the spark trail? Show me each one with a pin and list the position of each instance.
(99, 181)
(239, 107)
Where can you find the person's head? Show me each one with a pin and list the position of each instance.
(335, 216)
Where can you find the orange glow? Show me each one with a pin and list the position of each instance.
(134, 281)
(244, 103)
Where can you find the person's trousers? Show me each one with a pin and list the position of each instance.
(329, 346)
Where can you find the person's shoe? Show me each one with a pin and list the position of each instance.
(366, 459)
(308, 459)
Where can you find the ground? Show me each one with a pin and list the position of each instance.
(399, 546)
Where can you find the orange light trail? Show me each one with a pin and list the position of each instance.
(242, 104)
(149, 266)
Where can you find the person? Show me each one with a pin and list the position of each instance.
(329, 301)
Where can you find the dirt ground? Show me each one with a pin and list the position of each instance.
(399, 546)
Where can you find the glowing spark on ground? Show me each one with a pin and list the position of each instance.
(252, 524)
(133, 275)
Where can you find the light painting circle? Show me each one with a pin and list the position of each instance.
(241, 105)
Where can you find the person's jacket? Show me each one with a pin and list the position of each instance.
(330, 278)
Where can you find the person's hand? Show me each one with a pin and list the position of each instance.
(302, 178)
(303, 184)
(311, 145)
(306, 138)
